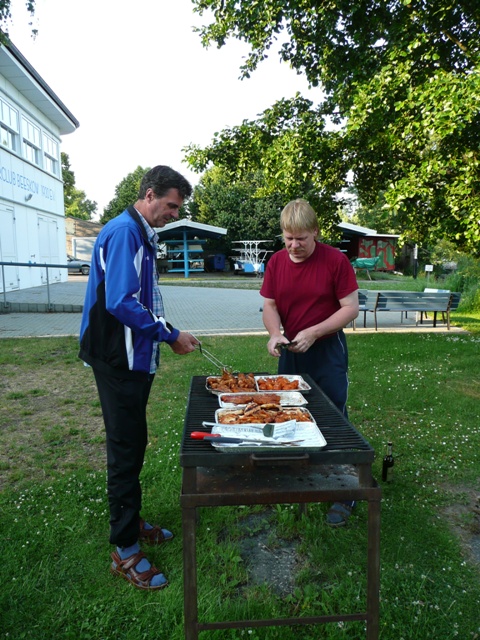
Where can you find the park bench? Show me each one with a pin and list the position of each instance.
(367, 264)
(420, 302)
(455, 300)
(366, 302)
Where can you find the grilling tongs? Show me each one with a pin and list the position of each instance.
(218, 438)
(213, 359)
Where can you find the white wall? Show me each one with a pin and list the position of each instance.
(32, 217)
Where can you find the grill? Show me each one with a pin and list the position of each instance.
(303, 475)
(345, 445)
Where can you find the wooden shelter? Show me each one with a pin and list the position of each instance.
(184, 240)
(361, 242)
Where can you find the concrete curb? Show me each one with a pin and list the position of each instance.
(33, 307)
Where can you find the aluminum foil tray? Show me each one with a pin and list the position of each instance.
(287, 399)
(222, 412)
(302, 385)
(311, 435)
(218, 378)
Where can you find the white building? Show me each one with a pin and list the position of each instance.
(32, 216)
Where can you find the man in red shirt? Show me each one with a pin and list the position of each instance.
(311, 294)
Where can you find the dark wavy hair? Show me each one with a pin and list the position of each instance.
(161, 179)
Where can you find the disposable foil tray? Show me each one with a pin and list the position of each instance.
(221, 414)
(308, 432)
(287, 399)
(302, 385)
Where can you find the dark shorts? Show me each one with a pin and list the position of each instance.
(327, 363)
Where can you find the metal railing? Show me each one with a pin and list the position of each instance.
(44, 265)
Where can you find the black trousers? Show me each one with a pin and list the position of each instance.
(124, 404)
(327, 362)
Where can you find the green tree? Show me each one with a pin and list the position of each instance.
(76, 203)
(6, 16)
(401, 81)
(81, 206)
(289, 151)
(237, 207)
(68, 177)
(126, 193)
(377, 216)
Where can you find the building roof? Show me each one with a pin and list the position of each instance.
(176, 230)
(20, 73)
(356, 230)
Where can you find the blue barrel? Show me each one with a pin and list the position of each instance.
(219, 262)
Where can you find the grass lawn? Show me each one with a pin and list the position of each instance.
(421, 391)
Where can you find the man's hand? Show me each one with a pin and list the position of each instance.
(273, 345)
(185, 343)
(303, 341)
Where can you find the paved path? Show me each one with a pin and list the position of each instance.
(200, 310)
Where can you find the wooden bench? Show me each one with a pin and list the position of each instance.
(405, 301)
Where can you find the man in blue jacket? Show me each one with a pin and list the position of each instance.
(122, 325)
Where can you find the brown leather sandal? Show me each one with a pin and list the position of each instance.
(126, 569)
(152, 536)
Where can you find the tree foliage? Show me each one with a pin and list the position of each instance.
(290, 152)
(6, 16)
(68, 176)
(236, 206)
(81, 207)
(126, 193)
(401, 81)
(76, 203)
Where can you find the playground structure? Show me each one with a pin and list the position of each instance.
(251, 258)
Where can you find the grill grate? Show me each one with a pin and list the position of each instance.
(345, 445)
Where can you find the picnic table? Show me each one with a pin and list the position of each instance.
(367, 264)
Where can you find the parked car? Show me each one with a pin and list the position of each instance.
(76, 265)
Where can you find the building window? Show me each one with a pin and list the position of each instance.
(8, 125)
(31, 141)
(50, 155)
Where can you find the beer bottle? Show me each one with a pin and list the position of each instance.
(388, 462)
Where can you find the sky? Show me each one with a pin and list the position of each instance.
(142, 86)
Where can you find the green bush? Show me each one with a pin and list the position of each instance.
(466, 277)
(466, 280)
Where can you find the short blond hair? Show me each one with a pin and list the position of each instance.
(297, 216)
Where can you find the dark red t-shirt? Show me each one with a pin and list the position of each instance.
(308, 292)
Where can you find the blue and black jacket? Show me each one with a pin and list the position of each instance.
(119, 328)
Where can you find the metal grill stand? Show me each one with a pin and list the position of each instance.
(211, 478)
